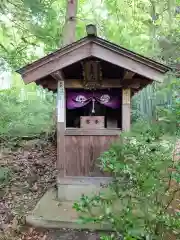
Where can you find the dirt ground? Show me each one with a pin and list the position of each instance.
(52, 234)
(72, 235)
(30, 171)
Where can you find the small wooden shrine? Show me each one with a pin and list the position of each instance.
(95, 80)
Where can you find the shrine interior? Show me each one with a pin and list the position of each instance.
(93, 88)
(111, 117)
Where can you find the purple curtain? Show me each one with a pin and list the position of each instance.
(80, 99)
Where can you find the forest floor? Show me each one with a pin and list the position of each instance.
(25, 176)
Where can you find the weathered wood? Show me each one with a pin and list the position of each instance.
(52, 56)
(126, 96)
(96, 47)
(73, 83)
(51, 85)
(92, 122)
(69, 37)
(58, 75)
(126, 109)
(128, 53)
(92, 132)
(126, 117)
(128, 74)
(106, 83)
(51, 82)
(60, 149)
(61, 125)
(60, 128)
(63, 59)
(81, 159)
(123, 61)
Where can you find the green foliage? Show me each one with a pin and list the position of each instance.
(25, 112)
(137, 205)
(169, 115)
(159, 102)
(30, 29)
(144, 104)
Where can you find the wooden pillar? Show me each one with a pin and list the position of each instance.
(61, 126)
(126, 109)
(68, 38)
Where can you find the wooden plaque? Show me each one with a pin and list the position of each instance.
(92, 74)
(60, 102)
(92, 122)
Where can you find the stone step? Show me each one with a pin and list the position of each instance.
(72, 188)
(52, 213)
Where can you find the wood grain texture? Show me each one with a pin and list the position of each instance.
(82, 152)
(126, 109)
(126, 117)
(60, 149)
(51, 57)
(61, 125)
(135, 83)
(108, 83)
(126, 96)
(128, 75)
(92, 122)
(92, 132)
(125, 62)
(101, 49)
(56, 64)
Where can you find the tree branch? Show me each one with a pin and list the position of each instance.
(172, 198)
(2, 46)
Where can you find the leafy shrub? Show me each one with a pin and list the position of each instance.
(140, 193)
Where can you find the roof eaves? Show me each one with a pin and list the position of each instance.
(50, 55)
(104, 43)
(161, 67)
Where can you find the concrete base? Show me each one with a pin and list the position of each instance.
(51, 213)
(72, 188)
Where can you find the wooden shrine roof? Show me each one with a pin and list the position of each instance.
(93, 47)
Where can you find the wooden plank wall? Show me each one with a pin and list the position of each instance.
(81, 153)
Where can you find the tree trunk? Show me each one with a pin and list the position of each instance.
(69, 35)
(68, 38)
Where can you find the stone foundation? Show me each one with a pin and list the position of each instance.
(72, 188)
